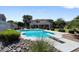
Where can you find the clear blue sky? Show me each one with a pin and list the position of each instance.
(39, 12)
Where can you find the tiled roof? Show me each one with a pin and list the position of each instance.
(42, 19)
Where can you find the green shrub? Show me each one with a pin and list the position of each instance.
(52, 29)
(71, 31)
(9, 36)
(61, 30)
(76, 30)
(42, 46)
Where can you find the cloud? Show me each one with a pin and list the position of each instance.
(71, 7)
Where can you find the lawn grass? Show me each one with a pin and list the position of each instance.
(67, 30)
(57, 30)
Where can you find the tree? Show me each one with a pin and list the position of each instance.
(77, 17)
(74, 23)
(21, 24)
(10, 21)
(27, 19)
(60, 23)
(53, 23)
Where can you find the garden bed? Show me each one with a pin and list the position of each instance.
(70, 37)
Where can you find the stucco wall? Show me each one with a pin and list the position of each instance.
(4, 26)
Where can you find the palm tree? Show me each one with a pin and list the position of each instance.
(27, 19)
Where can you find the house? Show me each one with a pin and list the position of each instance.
(41, 23)
(4, 25)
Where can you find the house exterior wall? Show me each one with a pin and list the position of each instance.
(5, 26)
(39, 23)
(2, 17)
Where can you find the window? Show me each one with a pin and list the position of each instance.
(37, 21)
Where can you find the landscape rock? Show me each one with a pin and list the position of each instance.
(18, 49)
(6, 49)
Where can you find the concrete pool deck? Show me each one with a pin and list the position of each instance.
(67, 46)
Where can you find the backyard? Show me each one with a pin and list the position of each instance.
(39, 35)
(11, 41)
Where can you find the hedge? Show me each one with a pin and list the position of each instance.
(61, 30)
(71, 31)
(9, 36)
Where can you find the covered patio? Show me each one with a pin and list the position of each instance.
(41, 23)
(41, 26)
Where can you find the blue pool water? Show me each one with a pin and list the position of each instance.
(36, 33)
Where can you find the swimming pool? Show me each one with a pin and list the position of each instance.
(36, 33)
